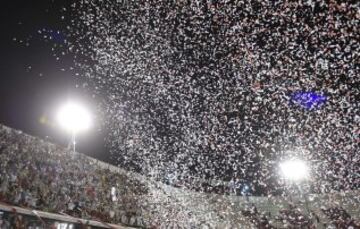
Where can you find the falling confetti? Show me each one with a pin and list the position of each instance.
(199, 93)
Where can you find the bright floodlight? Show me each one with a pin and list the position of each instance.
(74, 117)
(294, 169)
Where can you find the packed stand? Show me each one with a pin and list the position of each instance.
(294, 217)
(260, 220)
(339, 218)
(38, 175)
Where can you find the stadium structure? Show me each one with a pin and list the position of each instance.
(43, 185)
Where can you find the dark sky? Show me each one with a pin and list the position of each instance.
(34, 82)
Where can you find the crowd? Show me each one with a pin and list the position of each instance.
(8, 221)
(294, 217)
(43, 176)
(259, 219)
(339, 218)
(38, 175)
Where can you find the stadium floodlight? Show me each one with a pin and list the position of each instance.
(294, 170)
(74, 118)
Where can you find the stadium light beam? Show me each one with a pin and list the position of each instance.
(74, 118)
(294, 170)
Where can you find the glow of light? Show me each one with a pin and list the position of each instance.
(73, 117)
(308, 100)
(64, 226)
(294, 170)
(245, 190)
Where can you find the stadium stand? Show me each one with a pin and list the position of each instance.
(42, 177)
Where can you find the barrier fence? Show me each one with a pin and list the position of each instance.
(13, 216)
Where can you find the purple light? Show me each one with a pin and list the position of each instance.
(308, 100)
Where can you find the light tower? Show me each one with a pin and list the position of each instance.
(295, 171)
(74, 118)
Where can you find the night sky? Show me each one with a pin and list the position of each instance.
(33, 82)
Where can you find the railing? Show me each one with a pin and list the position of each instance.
(40, 219)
